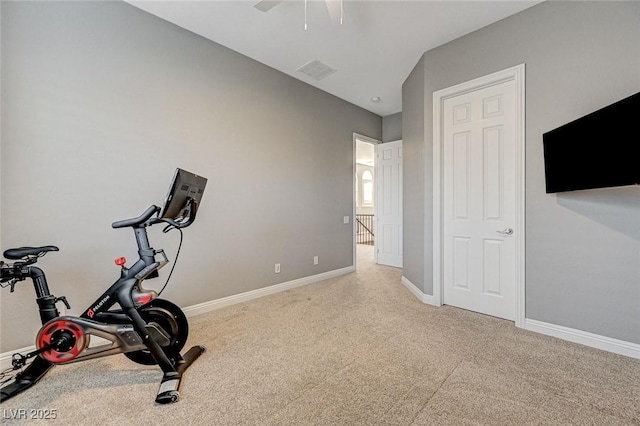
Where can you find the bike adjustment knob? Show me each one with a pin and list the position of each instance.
(121, 261)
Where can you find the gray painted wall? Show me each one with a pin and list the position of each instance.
(413, 174)
(582, 248)
(392, 127)
(101, 102)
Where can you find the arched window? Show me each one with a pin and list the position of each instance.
(367, 188)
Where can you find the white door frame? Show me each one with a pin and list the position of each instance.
(357, 136)
(516, 74)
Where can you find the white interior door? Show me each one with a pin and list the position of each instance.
(389, 203)
(479, 200)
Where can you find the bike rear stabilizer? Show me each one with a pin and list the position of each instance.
(170, 384)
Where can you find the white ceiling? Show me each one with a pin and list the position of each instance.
(374, 50)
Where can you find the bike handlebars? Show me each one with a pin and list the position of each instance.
(145, 219)
(29, 255)
(153, 209)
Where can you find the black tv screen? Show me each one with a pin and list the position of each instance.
(599, 150)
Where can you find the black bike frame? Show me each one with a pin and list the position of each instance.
(121, 293)
(101, 320)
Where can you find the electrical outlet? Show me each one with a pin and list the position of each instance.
(315, 260)
(277, 269)
(346, 219)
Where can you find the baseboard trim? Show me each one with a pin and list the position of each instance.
(212, 305)
(604, 343)
(427, 299)
(202, 308)
(609, 344)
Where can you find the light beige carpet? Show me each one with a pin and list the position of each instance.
(354, 350)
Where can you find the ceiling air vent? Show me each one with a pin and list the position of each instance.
(317, 69)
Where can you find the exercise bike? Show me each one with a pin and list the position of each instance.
(128, 318)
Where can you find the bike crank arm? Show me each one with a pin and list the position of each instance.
(18, 360)
(31, 374)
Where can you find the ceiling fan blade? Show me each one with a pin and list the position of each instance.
(267, 5)
(335, 11)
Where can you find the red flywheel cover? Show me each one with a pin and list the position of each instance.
(52, 331)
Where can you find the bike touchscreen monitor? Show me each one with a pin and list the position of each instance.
(185, 193)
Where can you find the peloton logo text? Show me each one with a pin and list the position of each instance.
(91, 312)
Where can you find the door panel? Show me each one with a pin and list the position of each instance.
(389, 203)
(479, 200)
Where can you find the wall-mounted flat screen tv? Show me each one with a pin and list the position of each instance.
(599, 150)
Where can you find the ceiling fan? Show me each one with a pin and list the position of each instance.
(333, 6)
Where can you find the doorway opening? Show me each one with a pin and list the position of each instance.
(364, 196)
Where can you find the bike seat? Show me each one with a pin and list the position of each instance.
(20, 252)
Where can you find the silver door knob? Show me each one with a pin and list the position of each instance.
(507, 231)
